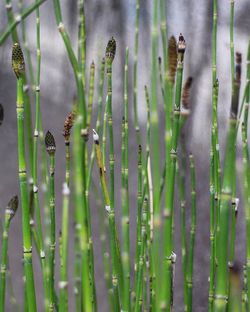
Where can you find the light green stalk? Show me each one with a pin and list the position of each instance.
(125, 195)
(190, 260)
(18, 67)
(135, 72)
(63, 284)
(167, 274)
(115, 258)
(91, 94)
(82, 40)
(51, 149)
(221, 293)
(27, 107)
(181, 183)
(9, 214)
(139, 285)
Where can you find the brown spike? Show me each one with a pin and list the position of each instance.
(110, 50)
(186, 93)
(68, 124)
(172, 58)
(12, 206)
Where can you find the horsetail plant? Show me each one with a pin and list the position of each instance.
(221, 291)
(51, 149)
(115, 258)
(18, 67)
(10, 211)
(125, 194)
(168, 254)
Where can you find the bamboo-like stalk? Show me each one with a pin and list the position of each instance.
(116, 277)
(27, 107)
(91, 93)
(51, 149)
(9, 214)
(180, 171)
(81, 40)
(35, 161)
(221, 291)
(125, 195)
(19, 67)
(246, 173)
(139, 214)
(143, 230)
(98, 121)
(135, 72)
(167, 274)
(63, 284)
(190, 261)
(110, 55)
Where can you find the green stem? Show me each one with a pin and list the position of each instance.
(27, 242)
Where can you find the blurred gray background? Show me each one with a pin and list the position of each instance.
(106, 18)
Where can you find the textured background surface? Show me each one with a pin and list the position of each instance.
(114, 17)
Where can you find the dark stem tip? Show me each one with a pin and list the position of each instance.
(12, 206)
(18, 64)
(111, 50)
(50, 143)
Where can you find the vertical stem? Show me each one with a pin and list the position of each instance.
(168, 255)
(190, 261)
(125, 195)
(63, 284)
(27, 242)
(135, 72)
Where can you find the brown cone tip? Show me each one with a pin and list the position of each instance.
(186, 93)
(181, 46)
(110, 50)
(172, 56)
(1, 114)
(50, 143)
(18, 64)
(68, 124)
(12, 206)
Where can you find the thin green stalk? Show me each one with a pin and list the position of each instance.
(139, 285)
(9, 214)
(91, 93)
(116, 277)
(110, 54)
(27, 107)
(51, 149)
(81, 218)
(98, 121)
(190, 260)
(125, 195)
(82, 40)
(135, 72)
(168, 256)
(18, 67)
(181, 183)
(139, 214)
(63, 284)
(221, 291)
